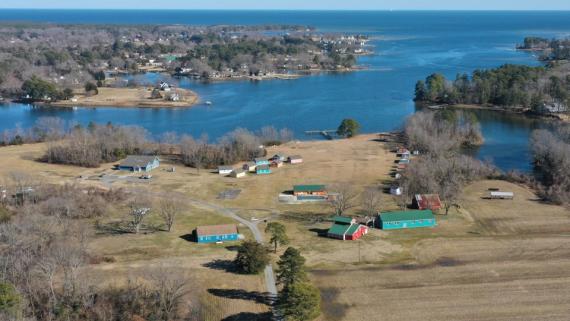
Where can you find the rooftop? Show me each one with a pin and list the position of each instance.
(342, 219)
(216, 230)
(138, 161)
(406, 216)
(309, 188)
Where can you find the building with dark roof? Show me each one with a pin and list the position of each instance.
(216, 233)
(135, 163)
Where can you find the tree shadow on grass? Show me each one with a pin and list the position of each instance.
(222, 265)
(232, 248)
(239, 294)
(249, 316)
(333, 309)
(113, 228)
(322, 232)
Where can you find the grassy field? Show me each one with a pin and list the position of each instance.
(361, 161)
(487, 260)
(494, 260)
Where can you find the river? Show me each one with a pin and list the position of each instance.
(408, 46)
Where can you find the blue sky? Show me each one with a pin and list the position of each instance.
(297, 4)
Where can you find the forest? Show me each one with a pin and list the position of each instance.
(69, 56)
(549, 49)
(538, 89)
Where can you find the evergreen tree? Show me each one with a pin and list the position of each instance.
(291, 267)
(39, 89)
(251, 258)
(420, 93)
(301, 301)
(348, 128)
(278, 234)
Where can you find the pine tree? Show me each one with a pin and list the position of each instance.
(291, 267)
(301, 301)
(252, 257)
(278, 234)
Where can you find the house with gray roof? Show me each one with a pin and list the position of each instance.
(139, 163)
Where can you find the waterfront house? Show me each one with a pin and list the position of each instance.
(261, 161)
(225, 170)
(137, 163)
(249, 166)
(238, 173)
(262, 170)
(216, 233)
(346, 228)
(295, 159)
(406, 219)
(426, 202)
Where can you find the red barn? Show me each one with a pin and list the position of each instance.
(346, 228)
(427, 202)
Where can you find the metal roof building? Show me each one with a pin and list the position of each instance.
(216, 233)
(406, 219)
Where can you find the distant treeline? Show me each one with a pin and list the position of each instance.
(551, 49)
(509, 86)
(69, 56)
(96, 144)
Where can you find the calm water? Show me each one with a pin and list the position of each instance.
(408, 45)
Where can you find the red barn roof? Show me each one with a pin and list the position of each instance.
(427, 202)
(216, 230)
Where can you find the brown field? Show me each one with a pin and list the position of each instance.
(362, 161)
(128, 97)
(488, 260)
(507, 260)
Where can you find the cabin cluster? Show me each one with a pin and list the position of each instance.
(404, 159)
(260, 166)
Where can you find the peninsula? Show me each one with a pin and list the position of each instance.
(131, 97)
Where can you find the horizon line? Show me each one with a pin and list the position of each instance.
(303, 9)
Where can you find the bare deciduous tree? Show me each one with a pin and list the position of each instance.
(139, 209)
(371, 201)
(168, 210)
(343, 197)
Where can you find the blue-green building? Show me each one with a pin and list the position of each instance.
(263, 170)
(217, 233)
(406, 219)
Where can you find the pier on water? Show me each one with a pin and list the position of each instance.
(328, 134)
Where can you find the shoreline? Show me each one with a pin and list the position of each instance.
(518, 111)
(138, 97)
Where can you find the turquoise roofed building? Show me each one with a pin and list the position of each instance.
(406, 219)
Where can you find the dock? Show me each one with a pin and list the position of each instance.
(328, 134)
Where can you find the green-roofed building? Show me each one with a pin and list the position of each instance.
(406, 219)
(310, 192)
(346, 228)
